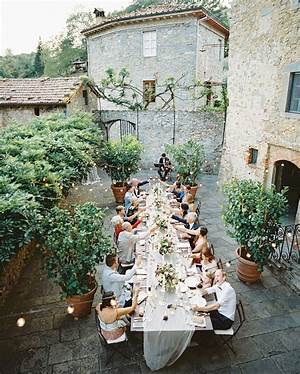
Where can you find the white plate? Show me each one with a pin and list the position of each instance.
(183, 287)
(198, 300)
(192, 281)
(141, 271)
(141, 297)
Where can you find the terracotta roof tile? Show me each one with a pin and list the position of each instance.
(37, 91)
(148, 12)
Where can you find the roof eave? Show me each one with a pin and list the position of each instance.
(100, 27)
(13, 104)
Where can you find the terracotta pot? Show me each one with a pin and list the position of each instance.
(194, 190)
(82, 304)
(246, 270)
(119, 193)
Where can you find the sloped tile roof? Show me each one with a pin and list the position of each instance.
(151, 12)
(27, 91)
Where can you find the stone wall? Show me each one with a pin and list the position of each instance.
(155, 130)
(11, 272)
(24, 114)
(264, 51)
(178, 43)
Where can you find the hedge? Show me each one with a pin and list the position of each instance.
(39, 163)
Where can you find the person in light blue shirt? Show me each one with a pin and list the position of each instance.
(128, 197)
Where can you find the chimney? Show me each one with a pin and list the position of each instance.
(100, 15)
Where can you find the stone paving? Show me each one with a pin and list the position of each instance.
(52, 342)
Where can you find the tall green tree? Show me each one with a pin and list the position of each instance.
(38, 60)
(68, 46)
(17, 66)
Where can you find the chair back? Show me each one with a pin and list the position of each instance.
(198, 209)
(220, 264)
(241, 314)
(212, 248)
(98, 326)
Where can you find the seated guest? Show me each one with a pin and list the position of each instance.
(184, 209)
(189, 199)
(133, 210)
(136, 185)
(223, 310)
(121, 217)
(178, 191)
(112, 281)
(127, 241)
(164, 167)
(187, 190)
(201, 243)
(112, 318)
(208, 262)
(128, 197)
(189, 223)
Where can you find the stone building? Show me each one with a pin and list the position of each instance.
(157, 43)
(24, 99)
(262, 136)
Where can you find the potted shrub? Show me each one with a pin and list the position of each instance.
(188, 159)
(251, 215)
(73, 243)
(121, 159)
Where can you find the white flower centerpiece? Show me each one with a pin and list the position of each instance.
(167, 277)
(166, 246)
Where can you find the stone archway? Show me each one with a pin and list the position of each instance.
(118, 128)
(287, 174)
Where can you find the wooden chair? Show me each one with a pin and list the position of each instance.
(230, 333)
(197, 211)
(112, 346)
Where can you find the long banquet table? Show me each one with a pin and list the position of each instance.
(166, 317)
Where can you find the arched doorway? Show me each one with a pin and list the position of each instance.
(118, 128)
(287, 174)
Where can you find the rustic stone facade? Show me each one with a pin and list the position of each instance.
(155, 129)
(185, 46)
(264, 51)
(22, 112)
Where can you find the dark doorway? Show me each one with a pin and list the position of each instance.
(288, 174)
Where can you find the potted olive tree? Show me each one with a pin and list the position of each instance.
(188, 159)
(73, 244)
(121, 159)
(251, 215)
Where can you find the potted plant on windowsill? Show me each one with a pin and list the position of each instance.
(73, 244)
(251, 215)
(188, 159)
(121, 159)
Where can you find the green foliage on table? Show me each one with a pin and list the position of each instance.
(251, 215)
(121, 159)
(74, 244)
(188, 159)
(39, 162)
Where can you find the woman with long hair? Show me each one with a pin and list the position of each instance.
(112, 319)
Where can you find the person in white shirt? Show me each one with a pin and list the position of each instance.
(127, 241)
(112, 281)
(221, 312)
(136, 185)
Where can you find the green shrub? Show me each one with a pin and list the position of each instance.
(39, 163)
(251, 215)
(74, 244)
(188, 159)
(121, 159)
